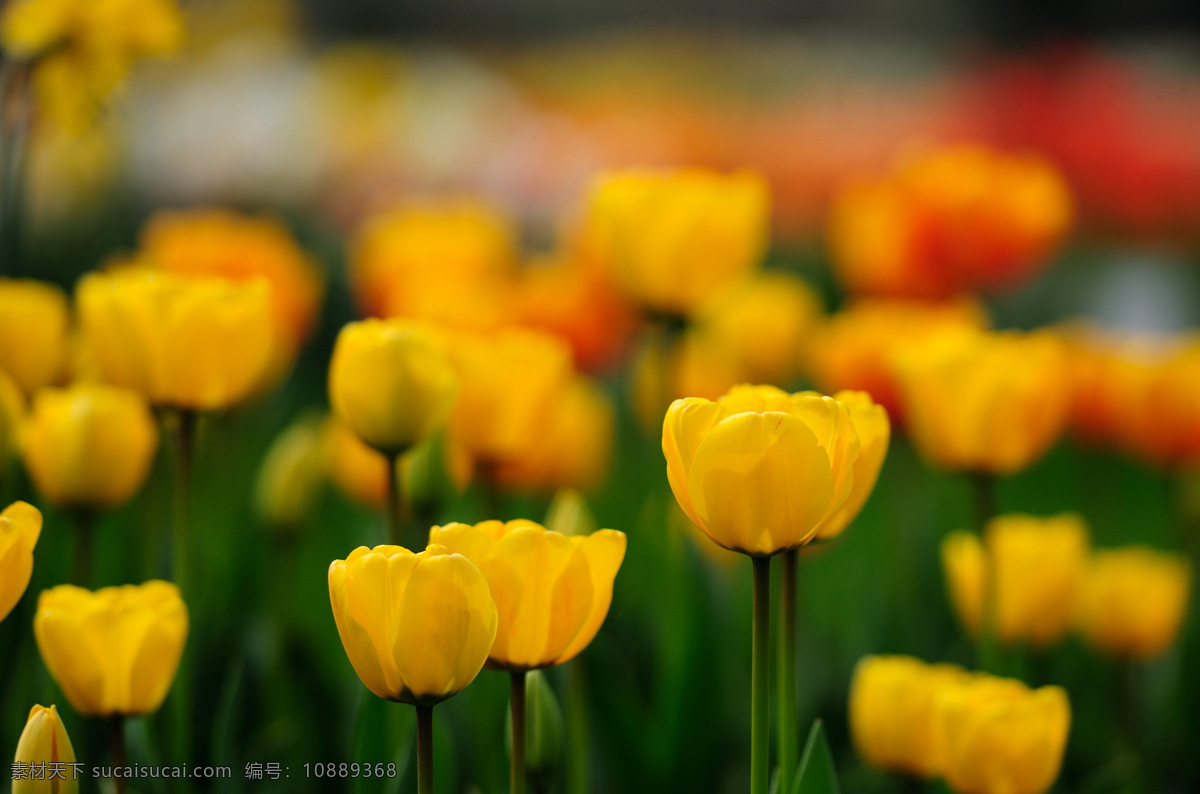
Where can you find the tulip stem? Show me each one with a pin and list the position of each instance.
(16, 108)
(985, 510)
(760, 705)
(517, 770)
(393, 501)
(185, 425)
(84, 528)
(424, 749)
(577, 730)
(117, 728)
(788, 709)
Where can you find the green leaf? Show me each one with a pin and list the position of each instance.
(816, 774)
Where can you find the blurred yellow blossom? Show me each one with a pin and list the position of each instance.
(35, 327)
(292, 473)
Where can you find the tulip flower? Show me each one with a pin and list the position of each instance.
(1037, 564)
(1132, 601)
(114, 651)
(416, 627)
(674, 239)
(1155, 395)
(291, 475)
(45, 743)
(697, 363)
(35, 328)
(997, 736)
(20, 526)
(893, 708)
(552, 591)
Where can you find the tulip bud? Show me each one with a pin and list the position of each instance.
(34, 333)
(292, 473)
(45, 743)
(545, 731)
(569, 514)
(20, 526)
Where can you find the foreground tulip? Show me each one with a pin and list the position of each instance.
(45, 745)
(552, 592)
(1037, 564)
(34, 330)
(416, 627)
(20, 526)
(113, 651)
(1133, 600)
(874, 434)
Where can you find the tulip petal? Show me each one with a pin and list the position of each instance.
(357, 643)
(687, 422)
(604, 550)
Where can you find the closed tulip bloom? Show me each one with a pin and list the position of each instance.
(874, 434)
(191, 343)
(89, 446)
(673, 239)
(997, 736)
(893, 703)
(391, 383)
(760, 470)
(1133, 601)
(417, 627)
(1038, 564)
(20, 526)
(45, 742)
(552, 591)
(990, 402)
(35, 329)
(291, 475)
(114, 651)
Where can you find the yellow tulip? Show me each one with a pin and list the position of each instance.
(45, 743)
(699, 363)
(997, 736)
(20, 526)
(1037, 564)
(12, 415)
(759, 471)
(291, 475)
(189, 343)
(416, 627)
(552, 591)
(674, 239)
(391, 383)
(89, 446)
(874, 433)
(892, 708)
(1132, 601)
(35, 328)
(114, 651)
(991, 402)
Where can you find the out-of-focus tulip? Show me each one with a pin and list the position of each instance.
(893, 711)
(115, 650)
(552, 591)
(45, 743)
(416, 627)
(569, 514)
(1037, 563)
(1132, 601)
(83, 49)
(760, 470)
(1155, 396)
(291, 475)
(573, 445)
(20, 526)
(673, 239)
(997, 736)
(430, 261)
(35, 327)
(874, 435)
(1090, 362)
(853, 349)
(391, 382)
(12, 414)
(191, 343)
(991, 402)
(699, 363)
(89, 446)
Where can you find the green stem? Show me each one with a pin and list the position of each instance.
(788, 709)
(424, 749)
(117, 727)
(84, 540)
(760, 670)
(185, 426)
(516, 775)
(577, 730)
(393, 501)
(985, 510)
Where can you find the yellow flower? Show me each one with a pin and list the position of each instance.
(1038, 564)
(699, 363)
(991, 402)
(115, 650)
(90, 445)
(874, 434)
(417, 627)
(892, 708)
(193, 343)
(34, 332)
(1133, 600)
(20, 526)
(45, 742)
(391, 383)
(291, 475)
(673, 239)
(760, 470)
(997, 736)
(552, 591)
(12, 415)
